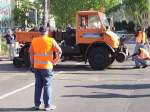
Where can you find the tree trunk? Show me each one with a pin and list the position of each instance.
(46, 10)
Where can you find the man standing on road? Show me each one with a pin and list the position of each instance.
(10, 38)
(42, 60)
(141, 39)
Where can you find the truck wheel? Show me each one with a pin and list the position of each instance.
(24, 54)
(26, 57)
(27, 61)
(99, 58)
(21, 52)
(121, 57)
(17, 62)
(112, 60)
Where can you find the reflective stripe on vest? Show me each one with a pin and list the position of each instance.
(43, 54)
(41, 62)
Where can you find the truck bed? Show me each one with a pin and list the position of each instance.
(24, 37)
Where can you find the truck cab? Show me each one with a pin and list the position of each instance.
(96, 29)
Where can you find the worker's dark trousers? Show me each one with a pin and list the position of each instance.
(43, 79)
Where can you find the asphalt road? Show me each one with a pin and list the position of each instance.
(77, 88)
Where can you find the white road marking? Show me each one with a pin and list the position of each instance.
(16, 91)
(21, 89)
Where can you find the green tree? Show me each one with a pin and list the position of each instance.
(21, 9)
(39, 1)
(39, 8)
(135, 8)
(64, 10)
(63, 13)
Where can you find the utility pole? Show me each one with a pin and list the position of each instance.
(46, 11)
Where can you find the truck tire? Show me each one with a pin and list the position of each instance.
(24, 54)
(112, 60)
(17, 62)
(26, 57)
(99, 58)
(121, 57)
(21, 52)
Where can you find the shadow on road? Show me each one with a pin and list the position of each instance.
(108, 95)
(111, 95)
(18, 109)
(99, 73)
(121, 68)
(64, 67)
(115, 86)
(9, 67)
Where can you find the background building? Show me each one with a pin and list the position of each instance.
(6, 7)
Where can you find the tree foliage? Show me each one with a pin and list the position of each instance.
(65, 10)
(135, 8)
(21, 9)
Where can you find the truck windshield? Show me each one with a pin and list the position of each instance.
(103, 19)
(96, 21)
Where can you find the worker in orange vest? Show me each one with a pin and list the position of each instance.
(42, 60)
(141, 39)
(141, 57)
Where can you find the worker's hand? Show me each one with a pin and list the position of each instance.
(54, 63)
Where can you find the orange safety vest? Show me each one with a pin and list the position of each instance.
(144, 54)
(141, 37)
(42, 52)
